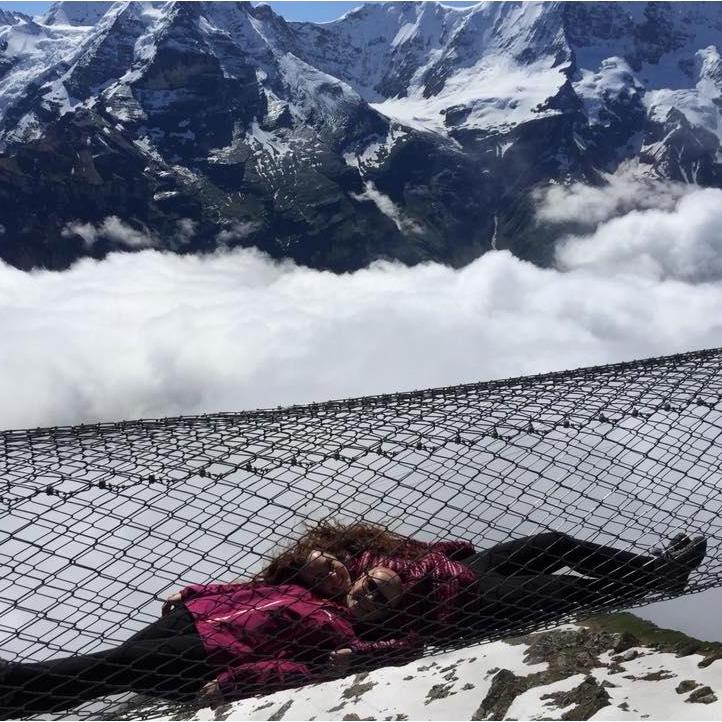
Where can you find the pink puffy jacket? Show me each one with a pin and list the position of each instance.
(266, 637)
(447, 591)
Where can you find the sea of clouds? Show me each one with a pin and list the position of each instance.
(152, 334)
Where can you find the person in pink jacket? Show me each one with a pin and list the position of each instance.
(219, 641)
(449, 590)
(343, 598)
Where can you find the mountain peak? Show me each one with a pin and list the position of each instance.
(12, 17)
(75, 13)
(400, 130)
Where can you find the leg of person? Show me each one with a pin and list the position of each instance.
(174, 668)
(54, 685)
(513, 603)
(552, 551)
(177, 623)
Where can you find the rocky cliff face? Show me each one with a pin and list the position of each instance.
(402, 130)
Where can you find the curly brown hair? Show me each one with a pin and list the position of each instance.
(344, 540)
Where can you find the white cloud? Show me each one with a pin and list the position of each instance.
(682, 242)
(237, 231)
(113, 229)
(388, 208)
(150, 334)
(87, 231)
(186, 229)
(624, 192)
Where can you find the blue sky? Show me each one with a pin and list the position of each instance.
(318, 11)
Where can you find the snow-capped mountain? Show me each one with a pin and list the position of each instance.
(401, 130)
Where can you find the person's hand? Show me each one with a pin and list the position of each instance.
(210, 694)
(340, 661)
(172, 601)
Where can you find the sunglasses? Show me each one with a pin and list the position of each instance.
(374, 592)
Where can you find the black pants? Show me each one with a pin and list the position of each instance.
(166, 659)
(519, 588)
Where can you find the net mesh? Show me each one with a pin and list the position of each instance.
(101, 522)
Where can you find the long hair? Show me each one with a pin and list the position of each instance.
(345, 541)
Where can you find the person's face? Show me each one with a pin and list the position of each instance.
(325, 575)
(373, 595)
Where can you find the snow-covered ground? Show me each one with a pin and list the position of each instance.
(566, 671)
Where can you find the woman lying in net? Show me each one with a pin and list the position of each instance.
(449, 590)
(216, 641)
(236, 640)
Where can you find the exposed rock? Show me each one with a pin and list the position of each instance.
(624, 641)
(223, 712)
(281, 711)
(589, 697)
(657, 675)
(686, 685)
(503, 691)
(649, 635)
(713, 657)
(561, 653)
(703, 695)
(438, 691)
(428, 667)
(568, 652)
(627, 656)
(358, 687)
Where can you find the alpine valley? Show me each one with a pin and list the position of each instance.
(409, 131)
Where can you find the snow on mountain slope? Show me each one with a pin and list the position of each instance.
(668, 52)
(597, 671)
(320, 137)
(488, 66)
(404, 38)
(83, 13)
(495, 95)
(699, 104)
(494, 65)
(31, 53)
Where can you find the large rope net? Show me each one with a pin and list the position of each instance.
(102, 522)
